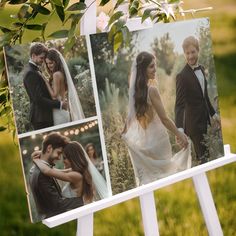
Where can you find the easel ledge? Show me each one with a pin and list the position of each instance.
(84, 215)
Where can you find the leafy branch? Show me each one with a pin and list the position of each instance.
(70, 15)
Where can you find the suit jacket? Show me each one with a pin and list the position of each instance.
(47, 195)
(41, 103)
(192, 108)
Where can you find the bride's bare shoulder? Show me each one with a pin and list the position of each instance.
(75, 175)
(58, 75)
(153, 91)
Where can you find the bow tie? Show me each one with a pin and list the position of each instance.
(197, 68)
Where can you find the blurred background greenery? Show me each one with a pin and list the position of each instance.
(177, 205)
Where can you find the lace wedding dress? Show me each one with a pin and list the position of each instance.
(75, 112)
(149, 148)
(60, 116)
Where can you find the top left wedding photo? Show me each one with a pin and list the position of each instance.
(49, 85)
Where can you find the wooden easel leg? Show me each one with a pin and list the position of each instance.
(85, 226)
(203, 191)
(149, 215)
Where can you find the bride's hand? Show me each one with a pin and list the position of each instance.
(182, 140)
(36, 155)
(42, 166)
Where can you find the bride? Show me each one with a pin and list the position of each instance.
(60, 83)
(145, 131)
(82, 178)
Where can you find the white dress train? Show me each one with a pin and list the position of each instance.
(150, 151)
(60, 116)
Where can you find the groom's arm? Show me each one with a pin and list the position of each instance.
(179, 102)
(57, 203)
(209, 105)
(34, 90)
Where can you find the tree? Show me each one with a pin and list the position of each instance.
(164, 52)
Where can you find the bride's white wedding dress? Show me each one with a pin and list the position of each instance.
(151, 153)
(149, 148)
(75, 112)
(68, 192)
(60, 116)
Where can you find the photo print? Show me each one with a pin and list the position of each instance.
(49, 85)
(159, 102)
(64, 169)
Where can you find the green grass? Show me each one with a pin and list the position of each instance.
(177, 206)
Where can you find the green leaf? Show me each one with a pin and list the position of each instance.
(74, 16)
(34, 27)
(59, 34)
(43, 30)
(103, 2)
(133, 11)
(118, 39)
(69, 44)
(17, 24)
(115, 17)
(60, 13)
(133, 8)
(77, 6)
(65, 3)
(2, 128)
(5, 110)
(112, 32)
(23, 11)
(42, 10)
(15, 2)
(126, 35)
(4, 30)
(57, 2)
(146, 14)
(72, 28)
(119, 2)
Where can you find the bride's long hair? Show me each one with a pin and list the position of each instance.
(74, 152)
(141, 83)
(54, 56)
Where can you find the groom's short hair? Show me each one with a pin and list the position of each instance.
(54, 139)
(37, 49)
(190, 41)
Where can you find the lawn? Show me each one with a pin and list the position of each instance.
(177, 206)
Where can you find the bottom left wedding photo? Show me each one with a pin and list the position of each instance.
(63, 169)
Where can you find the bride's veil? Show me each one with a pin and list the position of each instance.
(98, 180)
(131, 105)
(76, 110)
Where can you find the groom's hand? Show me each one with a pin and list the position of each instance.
(64, 105)
(215, 120)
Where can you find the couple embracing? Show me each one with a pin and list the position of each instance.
(145, 131)
(53, 100)
(82, 181)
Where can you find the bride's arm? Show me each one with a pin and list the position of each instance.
(167, 122)
(72, 176)
(55, 89)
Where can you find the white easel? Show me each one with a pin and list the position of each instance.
(145, 193)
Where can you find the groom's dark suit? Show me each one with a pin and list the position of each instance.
(47, 195)
(41, 103)
(193, 108)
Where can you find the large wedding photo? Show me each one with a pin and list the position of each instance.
(49, 85)
(159, 102)
(64, 169)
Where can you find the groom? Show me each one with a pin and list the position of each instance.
(46, 191)
(41, 103)
(193, 109)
